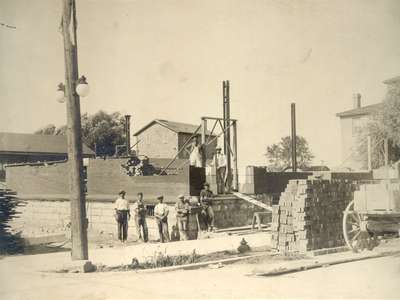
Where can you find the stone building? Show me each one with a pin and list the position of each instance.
(164, 139)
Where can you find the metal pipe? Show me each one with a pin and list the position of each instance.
(128, 134)
(227, 135)
(235, 161)
(224, 112)
(294, 138)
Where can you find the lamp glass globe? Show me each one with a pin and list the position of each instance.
(82, 89)
(60, 96)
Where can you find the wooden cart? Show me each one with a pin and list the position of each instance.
(374, 211)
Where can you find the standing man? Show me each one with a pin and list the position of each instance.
(206, 196)
(161, 213)
(220, 165)
(182, 216)
(196, 154)
(122, 214)
(140, 218)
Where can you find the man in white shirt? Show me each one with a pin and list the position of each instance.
(220, 164)
(122, 214)
(196, 155)
(161, 213)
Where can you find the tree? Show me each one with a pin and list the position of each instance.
(48, 130)
(102, 131)
(383, 125)
(280, 155)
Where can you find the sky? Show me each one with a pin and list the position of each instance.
(167, 60)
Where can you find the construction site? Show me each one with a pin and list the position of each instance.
(300, 211)
(181, 192)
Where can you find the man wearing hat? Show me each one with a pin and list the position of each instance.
(182, 216)
(122, 214)
(161, 213)
(206, 196)
(139, 210)
(220, 165)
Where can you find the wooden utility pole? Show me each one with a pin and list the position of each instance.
(227, 136)
(79, 249)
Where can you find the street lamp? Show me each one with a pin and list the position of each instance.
(82, 89)
(60, 93)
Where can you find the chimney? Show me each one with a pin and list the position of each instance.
(128, 134)
(357, 100)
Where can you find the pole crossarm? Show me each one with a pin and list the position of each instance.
(216, 118)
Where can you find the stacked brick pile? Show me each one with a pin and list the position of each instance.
(309, 215)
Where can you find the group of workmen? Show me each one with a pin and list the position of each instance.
(161, 211)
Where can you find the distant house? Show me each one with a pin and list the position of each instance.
(23, 148)
(164, 139)
(351, 121)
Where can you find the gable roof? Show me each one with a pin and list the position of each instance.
(24, 143)
(365, 110)
(174, 126)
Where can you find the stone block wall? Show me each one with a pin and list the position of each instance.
(39, 218)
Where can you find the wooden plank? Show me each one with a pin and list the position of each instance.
(252, 201)
(309, 266)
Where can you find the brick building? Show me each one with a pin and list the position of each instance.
(164, 139)
(23, 148)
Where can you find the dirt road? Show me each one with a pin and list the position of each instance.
(373, 278)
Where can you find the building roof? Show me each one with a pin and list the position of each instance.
(365, 110)
(174, 126)
(24, 143)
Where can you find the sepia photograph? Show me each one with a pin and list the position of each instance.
(199, 149)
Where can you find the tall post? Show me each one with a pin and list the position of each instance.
(79, 247)
(128, 134)
(227, 136)
(386, 149)
(224, 112)
(294, 138)
(369, 153)
(203, 141)
(235, 162)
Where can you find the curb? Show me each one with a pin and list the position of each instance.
(192, 266)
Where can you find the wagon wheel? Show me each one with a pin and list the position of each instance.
(354, 229)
